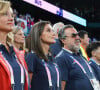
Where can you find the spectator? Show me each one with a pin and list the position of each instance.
(19, 38)
(56, 48)
(13, 69)
(93, 51)
(76, 74)
(43, 72)
(84, 43)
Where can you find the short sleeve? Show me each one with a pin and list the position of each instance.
(63, 68)
(31, 61)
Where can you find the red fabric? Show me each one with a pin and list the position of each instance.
(5, 82)
(4, 79)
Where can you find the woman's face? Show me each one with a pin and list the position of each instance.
(19, 37)
(48, 35)
(7, 21)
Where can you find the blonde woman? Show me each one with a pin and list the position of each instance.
(13, 69)
(19, 38)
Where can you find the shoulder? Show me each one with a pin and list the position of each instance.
(92, 64)
(31, 55)
(63, 55)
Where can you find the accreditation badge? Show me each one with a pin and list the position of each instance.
(95, 84)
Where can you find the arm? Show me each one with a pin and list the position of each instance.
(30, 76)
(63, 83)
(63, 66)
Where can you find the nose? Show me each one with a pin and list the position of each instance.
(11, 18)
(23, 35)
(53, 33)
(77, 37)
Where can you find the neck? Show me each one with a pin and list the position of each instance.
(17, 45)
(84, 46)
(96, 60)
(45, 48)
(3, 37)
(72, 51)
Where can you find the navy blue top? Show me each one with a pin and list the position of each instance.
(95, 68)
(40, 78)
(10, 57)
(56, 47)
(71, 71)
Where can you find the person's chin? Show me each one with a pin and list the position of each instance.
(11, 28)
(53, 42)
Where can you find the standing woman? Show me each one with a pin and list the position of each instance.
(44, 73)
(19, 38)
(13, 69)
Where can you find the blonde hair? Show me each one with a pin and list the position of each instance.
(16, 29)
(4, 5)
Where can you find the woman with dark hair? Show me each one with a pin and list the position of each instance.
(43, 71)
(13, 69)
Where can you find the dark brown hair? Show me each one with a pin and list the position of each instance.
(34, 39)
(92, 47)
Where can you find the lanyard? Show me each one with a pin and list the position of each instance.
(22, 73)
(57, 75)
(49, 74)
(26, 73)
(82, 66)
(93, 81)
(11, 72)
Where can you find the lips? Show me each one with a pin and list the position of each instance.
(10, 23)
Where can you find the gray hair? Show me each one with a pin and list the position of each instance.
(61, 33)
(57, 27)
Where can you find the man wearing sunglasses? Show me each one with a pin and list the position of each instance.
(76, 74)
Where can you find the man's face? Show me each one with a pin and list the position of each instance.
(85, 40)
(72, 40)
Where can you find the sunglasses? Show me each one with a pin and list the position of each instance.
(73, 35)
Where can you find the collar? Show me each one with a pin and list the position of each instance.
(94, 61)
(78, 53)
(9, 44)
(2, 47)
(68, 50)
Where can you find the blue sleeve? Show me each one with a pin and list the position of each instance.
(63, 68)
(31, 62)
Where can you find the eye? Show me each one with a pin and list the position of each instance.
(19, 34)
(74, 34)
(5, 14)
(12, 15)
(48, 30)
